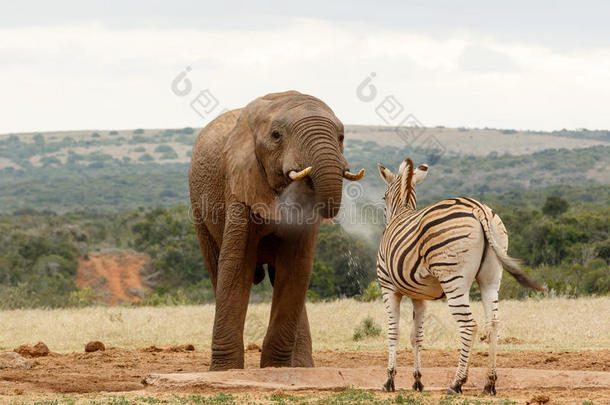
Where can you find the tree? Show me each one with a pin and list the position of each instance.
(322, 280)
(555, 206)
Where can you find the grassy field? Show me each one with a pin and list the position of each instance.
(545, 324)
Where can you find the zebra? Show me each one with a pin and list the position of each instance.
(437, 253)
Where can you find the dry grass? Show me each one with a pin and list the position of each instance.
(547, 324)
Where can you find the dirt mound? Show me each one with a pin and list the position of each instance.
(539, 399)
(253, 347)
(38, 350)
(171, 349)
(94, 347)
(115, 276)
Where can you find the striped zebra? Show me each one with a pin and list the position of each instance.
(436, 253)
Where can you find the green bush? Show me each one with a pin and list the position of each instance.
(366, 328)
(371, 293)
(163, 149)
(83, 297)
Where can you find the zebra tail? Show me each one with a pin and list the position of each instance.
(513, 266)
(510, 264)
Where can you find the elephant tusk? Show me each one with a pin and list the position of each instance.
(353, 177)
(299, 175)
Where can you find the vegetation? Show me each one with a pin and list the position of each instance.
(346, 396)
(567, 249)
(87, 198)
(366, 328)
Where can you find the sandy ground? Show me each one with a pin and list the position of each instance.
(581, 376)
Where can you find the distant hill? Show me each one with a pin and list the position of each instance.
(174, 145)
(111, 171)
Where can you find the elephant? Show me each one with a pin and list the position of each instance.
(281, 150)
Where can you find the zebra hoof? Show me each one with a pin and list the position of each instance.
(389, 384)
(418, 386)
(490, 386)
(454, 390)
(490, 389)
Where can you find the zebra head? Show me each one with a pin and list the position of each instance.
(400, 191)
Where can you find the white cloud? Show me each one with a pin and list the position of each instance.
(92, 76)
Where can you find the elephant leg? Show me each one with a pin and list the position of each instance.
(288, 320)
(235, 275)
(302, 354)
(209, 251)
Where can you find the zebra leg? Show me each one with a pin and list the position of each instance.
(489, 296)
(459, 305)
(417, 338)
(392, 300)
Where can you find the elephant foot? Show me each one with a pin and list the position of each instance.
(490, 386)
(222, 361)
(222, 366)
(302, 361)
(274, 359)
(417, 385)
(389, 384)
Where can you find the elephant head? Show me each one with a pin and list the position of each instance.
(283, 138)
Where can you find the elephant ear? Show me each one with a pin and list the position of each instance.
(246, 178)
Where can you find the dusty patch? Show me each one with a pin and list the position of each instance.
(116, 277)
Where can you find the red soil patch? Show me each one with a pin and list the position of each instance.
(114, 276)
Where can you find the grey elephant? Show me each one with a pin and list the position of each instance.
(281, 150)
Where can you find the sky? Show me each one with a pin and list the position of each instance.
(68, 65)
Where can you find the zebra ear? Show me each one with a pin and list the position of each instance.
(386, 174)
(420, 174)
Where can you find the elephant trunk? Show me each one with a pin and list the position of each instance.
(327, 164)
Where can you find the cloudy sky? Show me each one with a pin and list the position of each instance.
(110, 64)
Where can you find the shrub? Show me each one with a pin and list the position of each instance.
(83, 297)
(371, 293)
(366, 328)
(163, 149)
(169, 155)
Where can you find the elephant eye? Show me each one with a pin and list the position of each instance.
(341, 138)
(276, 135)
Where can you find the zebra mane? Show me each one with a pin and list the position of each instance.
(406, 181)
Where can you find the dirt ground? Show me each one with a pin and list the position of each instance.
(114, 276)
(118, 370)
